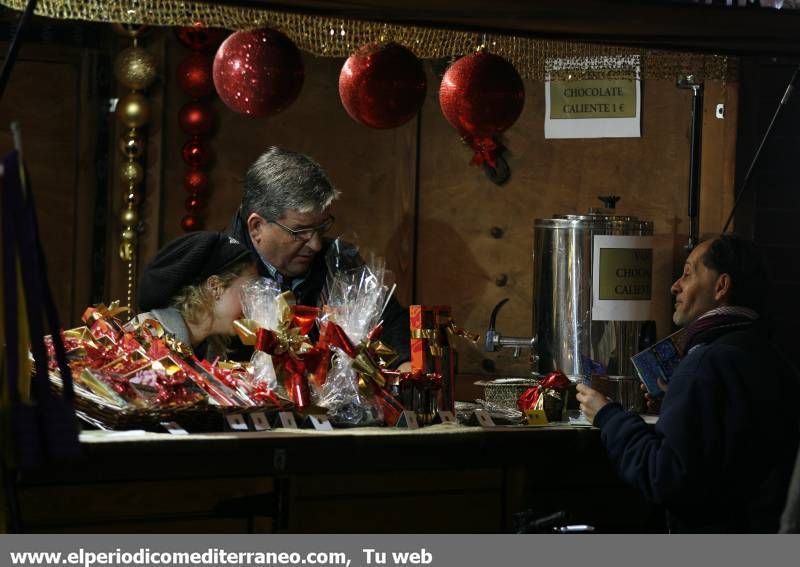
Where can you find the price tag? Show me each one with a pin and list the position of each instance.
(174, 428)
(236, 422)
(321, 422)
(447, 417)
(260, 421)
(408, 419)
(287, 419)
(484, 419)
(537, 417)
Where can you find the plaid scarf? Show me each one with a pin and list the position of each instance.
(717, 322)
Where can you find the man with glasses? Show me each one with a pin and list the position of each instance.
(283, 219)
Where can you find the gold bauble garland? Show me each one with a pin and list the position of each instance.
(135, 68)
(133, 110)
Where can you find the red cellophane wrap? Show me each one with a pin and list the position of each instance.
(126, 367)
(532, 398)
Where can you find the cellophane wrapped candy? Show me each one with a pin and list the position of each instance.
(356, 300)
(259, 304)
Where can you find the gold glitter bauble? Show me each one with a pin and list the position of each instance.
(135, 68)
(131, 145)
(131, 173)
(133, 110)
(129, 217)
(128, 235)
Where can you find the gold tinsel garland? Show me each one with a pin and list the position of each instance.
(337, 37)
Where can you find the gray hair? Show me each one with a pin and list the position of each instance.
(281, 180)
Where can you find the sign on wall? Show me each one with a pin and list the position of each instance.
(583, 107)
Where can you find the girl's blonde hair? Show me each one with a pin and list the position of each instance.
(195, 303)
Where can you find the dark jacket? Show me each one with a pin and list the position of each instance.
(396, 326)
(721, 454)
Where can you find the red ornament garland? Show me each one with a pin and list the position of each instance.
(382, 86)
(196, 118)
(482, 95)
(258, 72)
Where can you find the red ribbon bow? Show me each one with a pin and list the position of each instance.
(485, 151)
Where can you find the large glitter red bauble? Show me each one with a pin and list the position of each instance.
(258, 72)
(196, 118)
(195, 153)
(481, 95)
(200, 38)
(194, 75)
(190, 222)
(195, 181)
(382, 86)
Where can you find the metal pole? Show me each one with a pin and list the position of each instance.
(13, 49)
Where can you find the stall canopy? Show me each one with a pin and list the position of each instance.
(683, 25)
(677, 25)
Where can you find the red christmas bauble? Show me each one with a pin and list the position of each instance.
(258, 72)
(194, 75)
(382, 86)
(201, 38)
(196, 118)
(481, 95)
(189, 222)
(192, 203)
(195, 181)
(195, 153)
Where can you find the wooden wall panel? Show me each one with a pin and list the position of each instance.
(46, 95)
(459, 261)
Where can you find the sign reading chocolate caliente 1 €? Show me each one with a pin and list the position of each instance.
(590, 98)
(613, 98)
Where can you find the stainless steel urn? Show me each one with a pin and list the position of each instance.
(592, 292)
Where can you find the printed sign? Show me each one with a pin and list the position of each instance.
(260, 421)
(622, 277)
(484, 419)
(287, 419)
(321, 422)
(583, 107)
(592, 99)
(626, 273)
(236, 422)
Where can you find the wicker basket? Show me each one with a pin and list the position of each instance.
(103, 414)
(505, 392)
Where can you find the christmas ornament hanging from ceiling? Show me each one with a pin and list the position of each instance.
(197, 117)
(382, 85)
(135, 69)
(201, 38)
(482, 95)
(194, 75)
(258, 72)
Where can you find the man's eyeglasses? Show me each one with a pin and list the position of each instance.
(306, 234)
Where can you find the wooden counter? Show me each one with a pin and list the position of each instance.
(443, 478)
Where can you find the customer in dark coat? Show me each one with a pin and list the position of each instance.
(721, 454)
(283, 218)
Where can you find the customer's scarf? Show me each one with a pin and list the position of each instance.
(717, 322)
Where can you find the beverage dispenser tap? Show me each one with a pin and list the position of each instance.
(495, 341)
